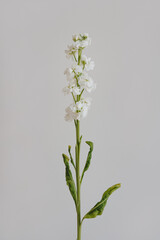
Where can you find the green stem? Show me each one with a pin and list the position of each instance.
(81, 94)
(78, 180)
(74, 57)
(73, 97)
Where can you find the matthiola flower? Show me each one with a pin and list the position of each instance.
(78, 80)
(87, 63)
(72, 88)
(75, 37)
(70, 115)
(83, 106)
(71, 50)
(77, 110)
(86, 82)
(69, 73)
(77, 69)
(81, 40)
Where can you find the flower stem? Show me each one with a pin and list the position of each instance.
(78, 180)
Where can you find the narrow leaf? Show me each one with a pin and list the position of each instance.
(71, 158)
(99, 207)
(69, 178)
(88, 161)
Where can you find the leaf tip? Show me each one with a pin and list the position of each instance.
(118, 185)
(65, 158)
(90, 144)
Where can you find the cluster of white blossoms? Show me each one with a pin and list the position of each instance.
(78, 79)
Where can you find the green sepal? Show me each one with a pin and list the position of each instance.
(99, 207)
(88, 161)
(69, 178)
(71, 158)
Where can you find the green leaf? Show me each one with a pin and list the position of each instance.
(99, 207)
(69, 179)
(88, 161)
(71, 158)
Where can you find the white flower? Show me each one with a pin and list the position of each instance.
(77, 69)
(72, 88)
(72, 75)
(87, 63)
(86, 82)
(77, 110)
(66, 90)
(86, 40)
(69, 74)
(75, 37)
(76, 90)
(71, 50)
(78, 44)
(83, 106)
(81, 40)
(85, 43)
(70, 115)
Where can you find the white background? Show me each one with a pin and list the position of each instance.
(123, 121)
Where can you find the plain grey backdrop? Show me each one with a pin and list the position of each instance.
(123, 121)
